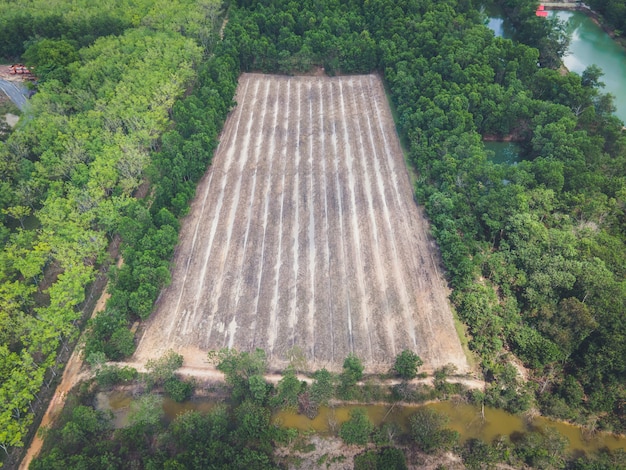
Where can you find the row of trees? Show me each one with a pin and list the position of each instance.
(614, 11)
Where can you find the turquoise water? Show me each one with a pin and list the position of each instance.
(591, 45)
(507, 153)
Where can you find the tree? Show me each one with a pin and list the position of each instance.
(162, 369)
(428, 432)
(239, 368)
(352, 373)
(51, 57)
(358, 429)
(288, 389)
(177, 389)
(407, 363)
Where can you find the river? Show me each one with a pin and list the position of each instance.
(590, 44)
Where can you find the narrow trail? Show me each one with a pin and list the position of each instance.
(311, 231)
(72, 375)
(210, 373)
(272, 333)
(326, 225)
(265, 214)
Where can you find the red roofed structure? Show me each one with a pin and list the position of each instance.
(541, 12)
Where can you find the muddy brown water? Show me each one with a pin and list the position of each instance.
(463, 418)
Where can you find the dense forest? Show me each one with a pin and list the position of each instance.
(613, 11)
(535, 252)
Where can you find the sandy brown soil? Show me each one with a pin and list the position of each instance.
(332, 454)
(304, 233)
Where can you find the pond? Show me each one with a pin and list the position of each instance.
(507, 153)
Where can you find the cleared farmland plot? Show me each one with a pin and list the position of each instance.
(304, 233)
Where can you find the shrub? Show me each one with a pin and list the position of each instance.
(357, 429)
(407, 363)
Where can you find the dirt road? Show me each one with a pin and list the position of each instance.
(72, 375)
(304, 233)
(13, 86)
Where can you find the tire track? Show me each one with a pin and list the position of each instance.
(355, 229)
(385, 314)
(265, 214)
(218, 208)
(326, 258)
(273, 327)
(295, 233)
(240, 278)
(224, 241)
(398, 280)
(312, 253)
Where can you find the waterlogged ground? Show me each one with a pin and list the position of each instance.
(304, 233)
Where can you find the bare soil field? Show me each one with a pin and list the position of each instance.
(304, 232)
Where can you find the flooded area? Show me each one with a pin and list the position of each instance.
(466, 419)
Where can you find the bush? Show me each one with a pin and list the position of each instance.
(108, 376)
(357, 429)
(352, 373)
(323, 387)
(427, 429)
(387, 458)
(407, 363)
(178, 390)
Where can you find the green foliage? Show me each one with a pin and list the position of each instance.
(287, 390)
(162, 369)
(109, 375)
(478, 455)
(358, 429)
(406, 364)
(351, 374)
(322, 389)
(429, 433)
(111, 78)
(177, 389)
(543, 449)
(243, 371)
(51, 57)
(386, 458)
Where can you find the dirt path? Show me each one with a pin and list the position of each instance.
(210, 373)
(72, 375)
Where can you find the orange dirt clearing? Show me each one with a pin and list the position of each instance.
(304, 232)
